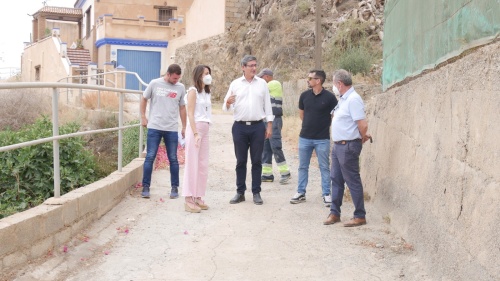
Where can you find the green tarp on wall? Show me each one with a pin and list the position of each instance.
(419, 34)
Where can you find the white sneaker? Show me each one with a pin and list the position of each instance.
(298, 198)
(327, 199)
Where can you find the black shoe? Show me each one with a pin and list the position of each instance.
(257, 200)
(285, 178)
(267, 178)
(145, 192)
(237, 198)
(174, 193)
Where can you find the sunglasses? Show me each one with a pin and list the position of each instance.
(311, 78)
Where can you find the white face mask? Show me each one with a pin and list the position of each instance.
(335, 90)
(207, 79)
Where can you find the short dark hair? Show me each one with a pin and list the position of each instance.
(343, 76)
(174, 69)
(320, 74)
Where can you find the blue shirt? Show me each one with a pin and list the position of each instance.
(349, 110)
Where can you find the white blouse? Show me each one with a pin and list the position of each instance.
(203, 108)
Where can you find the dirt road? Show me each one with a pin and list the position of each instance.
(156, 239)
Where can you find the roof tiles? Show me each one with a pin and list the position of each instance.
(61, 10)
(79, 56)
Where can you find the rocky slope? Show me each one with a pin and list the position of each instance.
(281, 34)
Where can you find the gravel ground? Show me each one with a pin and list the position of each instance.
(155, 239)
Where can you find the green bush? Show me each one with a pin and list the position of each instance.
(131, 143)
(303, 7)
(26, 177)
(356, 60)
(351, 48)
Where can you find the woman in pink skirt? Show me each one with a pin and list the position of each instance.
(199, 109)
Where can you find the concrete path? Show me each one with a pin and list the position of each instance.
(155, 239)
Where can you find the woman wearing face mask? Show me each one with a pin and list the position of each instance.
(199, 109)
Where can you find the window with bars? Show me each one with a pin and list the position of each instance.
(164, 15)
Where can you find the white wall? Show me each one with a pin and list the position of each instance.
(203, 19)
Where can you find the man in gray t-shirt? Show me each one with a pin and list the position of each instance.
(166, 96)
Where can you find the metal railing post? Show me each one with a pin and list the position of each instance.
(141, 129)
(99, 99)
(120, 134)
(81, 94)
(67, 93)
(55, 148)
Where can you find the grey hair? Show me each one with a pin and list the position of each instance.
(343, 76)
(246, 59)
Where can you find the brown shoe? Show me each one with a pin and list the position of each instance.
(192, 208)
(355, 222)
(201, 203)
(331, 219)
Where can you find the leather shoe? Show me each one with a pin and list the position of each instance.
(237, 198)
(257, 200)
(331, 219)
(355, 222)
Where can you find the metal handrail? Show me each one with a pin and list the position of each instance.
(106, 73)
(55, 123)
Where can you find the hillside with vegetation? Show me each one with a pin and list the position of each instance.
(281, 34)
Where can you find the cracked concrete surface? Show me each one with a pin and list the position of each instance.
(155, 239)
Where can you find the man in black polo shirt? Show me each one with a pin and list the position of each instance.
(315, 109)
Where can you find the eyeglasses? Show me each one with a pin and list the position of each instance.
(251, 65)
(310, 78)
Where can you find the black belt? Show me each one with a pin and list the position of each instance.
(346, 141)
(249, 122)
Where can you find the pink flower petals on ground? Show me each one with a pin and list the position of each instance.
(65, 249)
(106, 252)
(162, 200)
(162, 159)
(186, 232)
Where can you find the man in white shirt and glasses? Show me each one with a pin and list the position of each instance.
(248, 96)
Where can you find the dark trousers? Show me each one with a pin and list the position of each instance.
(248, 137)
(274, 146)
(345, 169)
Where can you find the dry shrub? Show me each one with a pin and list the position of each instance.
(108, 100)
(20, 107)
(270, 24)
(303, 8)
(232, 50)
(248, 50)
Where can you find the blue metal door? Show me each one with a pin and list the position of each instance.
(146, 64)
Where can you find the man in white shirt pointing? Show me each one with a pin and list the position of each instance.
(248, 96)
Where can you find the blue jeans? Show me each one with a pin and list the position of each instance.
(322, 148)
(345, 169)
(153, 141)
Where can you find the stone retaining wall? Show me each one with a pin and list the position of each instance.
(434, 167)
(235, 12)
(33, 233)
